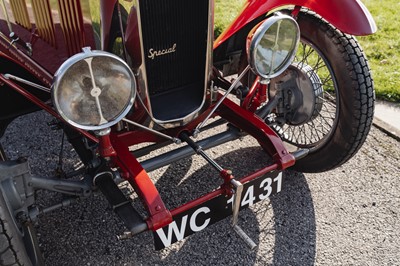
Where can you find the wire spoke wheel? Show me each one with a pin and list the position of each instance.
(18, 241)
(326, 97)
(318, 129)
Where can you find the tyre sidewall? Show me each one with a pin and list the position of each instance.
(9, 231)
(345, 139)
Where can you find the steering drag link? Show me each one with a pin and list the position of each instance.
(233, 187)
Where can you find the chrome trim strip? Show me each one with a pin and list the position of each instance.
(175, 140)
(237, 80)
(142, 68)
(27, 82)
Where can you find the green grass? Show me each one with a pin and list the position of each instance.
(225, 13)
(382, 49)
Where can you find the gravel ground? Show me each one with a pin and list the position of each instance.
(349, 216)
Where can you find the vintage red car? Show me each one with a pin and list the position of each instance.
(126, 78)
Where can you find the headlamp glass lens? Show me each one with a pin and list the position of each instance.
(273, 45)
(93, 92)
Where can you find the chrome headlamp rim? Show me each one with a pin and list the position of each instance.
(62, 70)
(256, 35)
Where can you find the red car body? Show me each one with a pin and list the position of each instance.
(37, 50)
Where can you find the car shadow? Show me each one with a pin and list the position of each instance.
(283, 227)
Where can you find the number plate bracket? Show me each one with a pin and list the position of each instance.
(215, 206)
(238, 187)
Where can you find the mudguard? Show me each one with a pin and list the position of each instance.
(349, 16)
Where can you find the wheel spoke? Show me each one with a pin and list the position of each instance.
(320, 64)
(318, 128)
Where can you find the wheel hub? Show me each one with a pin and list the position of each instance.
(301, 94)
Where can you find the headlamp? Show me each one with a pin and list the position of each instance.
(272, 45)
(93, 90)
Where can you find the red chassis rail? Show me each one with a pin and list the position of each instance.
(41, 104)
(159, 216)
(113, 146)
(221, 191)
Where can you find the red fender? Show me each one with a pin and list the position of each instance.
(349, 16)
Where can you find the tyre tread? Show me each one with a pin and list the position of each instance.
(8, 254)
(12, 247)
(362, 93)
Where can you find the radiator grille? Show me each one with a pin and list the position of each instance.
(181, 23)
(175, 41)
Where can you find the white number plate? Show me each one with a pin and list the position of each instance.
(203, 215)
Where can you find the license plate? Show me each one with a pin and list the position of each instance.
(213, 210)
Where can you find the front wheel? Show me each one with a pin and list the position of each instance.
(18, 244)
(18, 241)
(330, 110)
